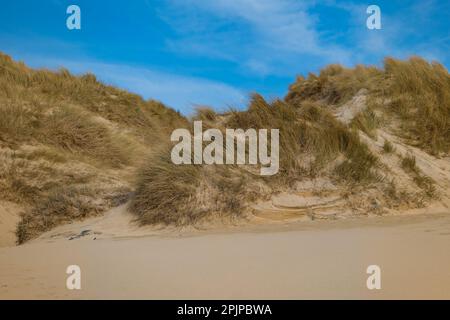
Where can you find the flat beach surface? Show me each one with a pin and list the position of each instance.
(307, 260)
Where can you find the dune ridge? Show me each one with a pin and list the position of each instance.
(361, 141)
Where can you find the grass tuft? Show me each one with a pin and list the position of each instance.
(388, 147)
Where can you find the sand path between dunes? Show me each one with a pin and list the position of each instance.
(317, 259)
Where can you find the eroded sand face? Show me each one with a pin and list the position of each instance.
(9, 217)
(320, 259)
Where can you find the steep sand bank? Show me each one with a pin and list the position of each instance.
(320, 259)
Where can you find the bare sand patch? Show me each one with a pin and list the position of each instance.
(315, 259)
(9, 217)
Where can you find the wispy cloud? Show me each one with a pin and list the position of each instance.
(275, 37)
(263, 36)
(180, 92)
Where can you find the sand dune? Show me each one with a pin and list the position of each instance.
(364, 180)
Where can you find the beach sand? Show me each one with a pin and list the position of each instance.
(304, 260)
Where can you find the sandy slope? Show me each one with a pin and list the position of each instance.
(317, 259)
(9, 217)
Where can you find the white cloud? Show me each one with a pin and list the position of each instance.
(278, 37)
(262, 36)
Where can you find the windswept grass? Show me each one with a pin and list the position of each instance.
(334, 84)
(64, 205)
(306, 129)
(311, 140)
(75, 142)
(41, 90)
(424, 182)
(166, 192)
(409, 163)
(367, 121)
(16, 123)
(69, 144)
(419, 92)
(170, 194)
(416, 91)
(75, 131)
(205, 114)
(360, 166)
(61, 206)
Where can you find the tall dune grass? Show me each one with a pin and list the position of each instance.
(419, 92)
(69, 144)
(171, 194)
(87, 138)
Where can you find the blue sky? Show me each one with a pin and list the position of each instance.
(216, 52)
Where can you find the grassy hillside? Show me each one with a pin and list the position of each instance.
(409, 99)
(72, 147)
(414, 93)
(69, 145)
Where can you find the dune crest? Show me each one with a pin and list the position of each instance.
(354, 142)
